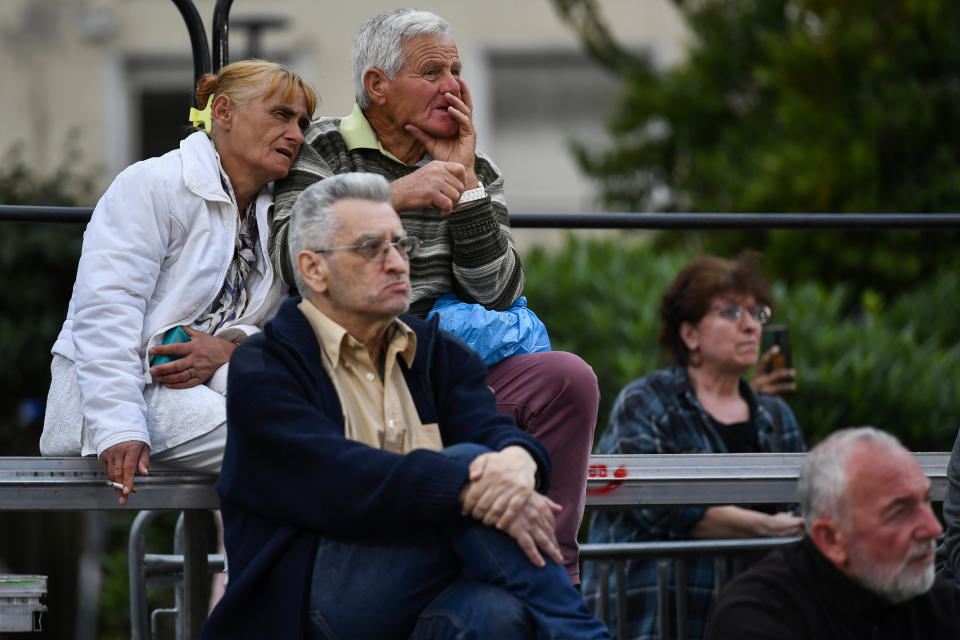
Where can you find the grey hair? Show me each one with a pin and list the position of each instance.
(312, 222)
(379, 43)
(823, 478)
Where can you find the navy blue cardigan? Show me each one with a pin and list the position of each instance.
(289, 475)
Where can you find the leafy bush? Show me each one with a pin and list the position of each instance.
(599, 299)
(38, 262)
(893, 363)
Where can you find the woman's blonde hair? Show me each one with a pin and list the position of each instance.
(242, 81)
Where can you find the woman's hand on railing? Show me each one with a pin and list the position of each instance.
(122, 461)
(730, 521)
(782, 525)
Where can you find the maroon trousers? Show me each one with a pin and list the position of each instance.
(554, 396)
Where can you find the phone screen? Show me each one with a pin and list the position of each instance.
(777, 334)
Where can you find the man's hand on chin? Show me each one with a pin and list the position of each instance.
(462, 147)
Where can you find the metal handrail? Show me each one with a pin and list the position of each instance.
(221, 31)
(30, 213)
(666, 553)
(198, 38)
(679, 220)
(55, 484)
(677, 548)
(614, 481)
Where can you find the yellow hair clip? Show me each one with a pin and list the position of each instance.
(203, 117)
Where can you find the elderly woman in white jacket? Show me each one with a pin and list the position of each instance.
(176, 241)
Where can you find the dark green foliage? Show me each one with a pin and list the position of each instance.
(38, 264)
(894, 365)
(794, 106)
(599, 300)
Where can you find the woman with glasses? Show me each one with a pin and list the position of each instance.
(712, 316)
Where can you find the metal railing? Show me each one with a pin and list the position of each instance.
(75, 484)
(78, 483)
(677, 221)
(618, 481)
(671, 557)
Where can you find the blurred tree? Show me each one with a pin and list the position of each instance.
(896, 366)
(793, 105)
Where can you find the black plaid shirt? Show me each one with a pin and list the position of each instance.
(660, 413)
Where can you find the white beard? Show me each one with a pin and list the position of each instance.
(897, 584)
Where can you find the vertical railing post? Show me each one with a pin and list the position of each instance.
(136, 549)
(196, 579)
(221, 27)
(680, 580)
(663, 598)
(603, 600)
(620, 571)
(198, 38)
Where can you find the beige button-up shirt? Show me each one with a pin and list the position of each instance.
(377, 412)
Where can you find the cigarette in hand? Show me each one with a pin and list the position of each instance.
(117, 485)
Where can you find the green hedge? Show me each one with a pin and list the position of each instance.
(893, 361)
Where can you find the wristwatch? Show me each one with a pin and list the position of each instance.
(470, 195)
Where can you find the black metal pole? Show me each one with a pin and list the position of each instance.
(221, 26)
(877, 221)
(198, 38)
(863, 221)
(18, 213)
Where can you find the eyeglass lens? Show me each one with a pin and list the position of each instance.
(379, 249)
(732, 311)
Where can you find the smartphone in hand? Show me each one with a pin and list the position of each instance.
(779, 335)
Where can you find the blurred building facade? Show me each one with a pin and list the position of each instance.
(103, 83)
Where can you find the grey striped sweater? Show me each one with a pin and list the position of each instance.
(470, 252)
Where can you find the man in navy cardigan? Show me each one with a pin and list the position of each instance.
(370, 488)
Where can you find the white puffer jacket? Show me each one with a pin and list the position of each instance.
(155, 255)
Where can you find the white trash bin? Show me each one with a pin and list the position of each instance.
(20, 607)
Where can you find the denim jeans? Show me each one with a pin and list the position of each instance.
(460, 580)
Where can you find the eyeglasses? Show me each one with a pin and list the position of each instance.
(377, 249)
(733, 312)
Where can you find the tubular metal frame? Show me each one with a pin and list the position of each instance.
(676, 221)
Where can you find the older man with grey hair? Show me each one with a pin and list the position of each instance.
(864, 569)
(355, 439)
(413, 125)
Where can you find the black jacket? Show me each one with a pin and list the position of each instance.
(795, 593)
